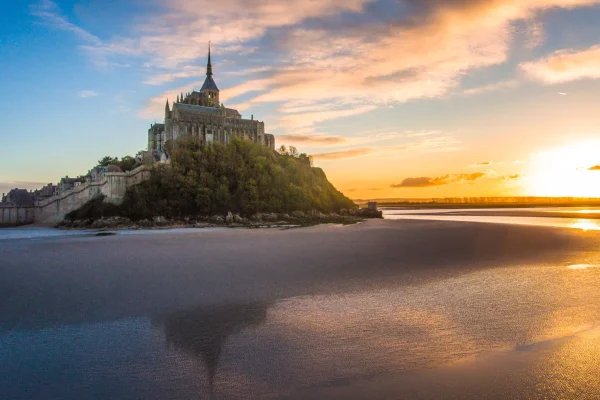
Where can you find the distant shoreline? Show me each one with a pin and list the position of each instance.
(416, 206)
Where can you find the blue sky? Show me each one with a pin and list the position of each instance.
(398, 98)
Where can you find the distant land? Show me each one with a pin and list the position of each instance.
(485, 202)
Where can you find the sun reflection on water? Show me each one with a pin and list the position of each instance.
(586, 225)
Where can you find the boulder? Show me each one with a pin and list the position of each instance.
(272, 217)
(238, 219)
(99, 223)
(160, 220)
(298, 214)
(217, 219)
(229, 218)
(256, 217)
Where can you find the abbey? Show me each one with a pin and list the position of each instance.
(200, 114)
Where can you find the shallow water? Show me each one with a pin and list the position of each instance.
(503, 216)
(127, 323)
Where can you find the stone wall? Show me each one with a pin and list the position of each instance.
(113, 187)
(15, 216)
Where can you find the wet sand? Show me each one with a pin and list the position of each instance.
(383, 309)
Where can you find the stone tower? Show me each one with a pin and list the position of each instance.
(209, 90)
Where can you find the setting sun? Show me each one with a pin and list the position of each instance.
(566, 171)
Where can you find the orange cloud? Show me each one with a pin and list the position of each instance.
(438, 181)
(327, 140)
(343, 154)
(310, 118)
(594, 168)
(565, 66)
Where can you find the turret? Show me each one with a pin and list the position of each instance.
(167, 109)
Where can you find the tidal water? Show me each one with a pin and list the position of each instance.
(560, 217)
(386, 309)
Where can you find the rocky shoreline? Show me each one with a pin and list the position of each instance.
(295, 219)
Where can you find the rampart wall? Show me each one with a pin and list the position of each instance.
(14, 216)
(53, 209)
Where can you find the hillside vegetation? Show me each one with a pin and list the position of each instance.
(240, 177)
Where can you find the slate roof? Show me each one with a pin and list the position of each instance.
(209, 83)
(196, 109)
(20, 197)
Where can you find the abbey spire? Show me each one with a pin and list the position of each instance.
(209, 65)
(209, 89)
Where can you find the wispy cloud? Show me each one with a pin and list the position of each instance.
(49, 13)
(84, 94)
(423, 182)
(355, 54)
(565, 66)
(304, 139)
(343, 154)
(493, 87)
(594, 168)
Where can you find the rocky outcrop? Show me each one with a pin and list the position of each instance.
(259, 220)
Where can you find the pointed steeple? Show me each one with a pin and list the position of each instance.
(167, 109)
(177, 99)
(209, 65)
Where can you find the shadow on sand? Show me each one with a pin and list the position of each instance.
(202, 332)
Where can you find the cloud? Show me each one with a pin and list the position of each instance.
(326, 140)
(84, 94)
(565, 66)
(356, 54)
(184, 72)
(439, 181)
(342, 154)
(49, 13)
(493, 87)
(483, 163)
(298, 120)
(511, 177)
(594, 168)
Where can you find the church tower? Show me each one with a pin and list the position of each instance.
(209, 90)
(167, 110)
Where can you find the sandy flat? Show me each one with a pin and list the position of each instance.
(383, 309)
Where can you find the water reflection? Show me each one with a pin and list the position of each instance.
(326, 342)
(511, 217)
(583, 266)
(203, 332)
(586, 225)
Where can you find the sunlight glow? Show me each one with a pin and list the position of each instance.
(565, 171)
(583, 266)
(586, 225)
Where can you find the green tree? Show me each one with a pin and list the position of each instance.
(107, 160)
(241, 177)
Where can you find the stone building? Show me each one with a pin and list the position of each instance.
(18, 197)
(200, 114)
